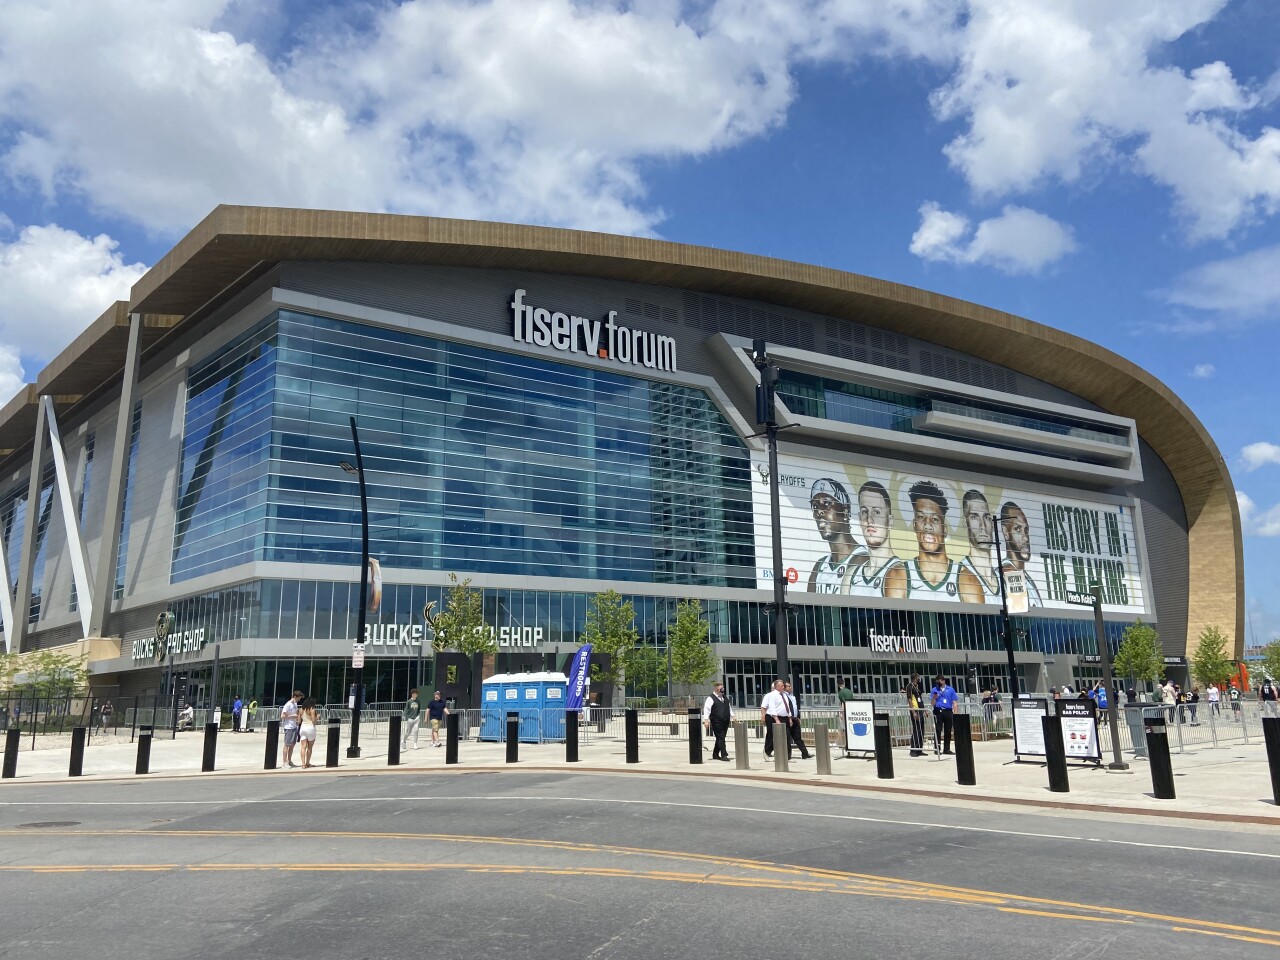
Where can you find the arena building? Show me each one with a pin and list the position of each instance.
(552, 413)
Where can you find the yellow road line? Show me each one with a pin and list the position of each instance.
(894, 887)
(1228, 936)
(1061, 916)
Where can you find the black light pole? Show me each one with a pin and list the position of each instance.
(1014, 686)
(353, 751)
(766, 413)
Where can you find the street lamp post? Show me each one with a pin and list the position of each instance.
(1108, 680)
(353, 751)
(766, 413)
(1007, 629)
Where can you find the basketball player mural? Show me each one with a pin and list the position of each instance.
(829, 501)
(932, 575)
(875, 515)
(981, 526)
(1017, 538)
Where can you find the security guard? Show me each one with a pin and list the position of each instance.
(775, 708)
(944, 703)
(717, 714)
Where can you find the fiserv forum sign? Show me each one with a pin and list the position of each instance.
(606, 339)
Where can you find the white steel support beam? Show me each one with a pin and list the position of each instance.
(104, 580)
(6, 602)
(70, 517)
(27, 561)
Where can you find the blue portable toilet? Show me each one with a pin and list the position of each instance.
(493, 707)
(555, 688)
(529, 691)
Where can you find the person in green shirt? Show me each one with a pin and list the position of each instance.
(412, 719)
(843, 693)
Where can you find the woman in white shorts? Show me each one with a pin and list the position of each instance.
(307, 729)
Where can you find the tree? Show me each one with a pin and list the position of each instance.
(1139, 655)
(611, 631)
(461, 625)
(646, 669)
(8, 667)
(1271, 659)
(1210, 663)
(692, 659)
(51, 674)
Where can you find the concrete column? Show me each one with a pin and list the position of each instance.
(104, 580)
(70, 517)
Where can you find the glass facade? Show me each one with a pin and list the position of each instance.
(476, 461)
(826, 398)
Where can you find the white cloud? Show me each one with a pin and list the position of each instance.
(1017, 241)
(1203, 371)
(1257, 455)
(12, 377)
(1049, 90)
(1264, 523)
(531, 110)
(52, 283)
(1247, 285)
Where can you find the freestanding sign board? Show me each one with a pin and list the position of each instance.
(1080, 729)
(1028, 732)
(859, 726)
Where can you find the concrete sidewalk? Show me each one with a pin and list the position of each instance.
(1224, 784)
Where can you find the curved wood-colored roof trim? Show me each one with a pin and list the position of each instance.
(232, 240)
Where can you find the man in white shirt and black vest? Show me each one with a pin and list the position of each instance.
(717, 714)
(793, 725)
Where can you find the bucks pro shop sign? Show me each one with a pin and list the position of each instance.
(606, 339)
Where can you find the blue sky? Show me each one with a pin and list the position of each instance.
(1111, 169)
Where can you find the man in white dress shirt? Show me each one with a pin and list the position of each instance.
(775, 708)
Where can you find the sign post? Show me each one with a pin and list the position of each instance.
(1094, 599)
(357, 656)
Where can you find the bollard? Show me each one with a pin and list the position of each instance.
(273, 745)
(393, 743)
(781, 761)
(741, 745)
(633, 736)
(210, 747)
(144, 751)
(513, 737)
(965, 775)
(77, 751)
(1055, 754)
(822, 747)
(884, 747)
(1157, 737)
(1271, 734)
(695, 735)
(450, 738)
(12, 738)
(333, 742)
(571, 736)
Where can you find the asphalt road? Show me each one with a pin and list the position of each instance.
(605, 867)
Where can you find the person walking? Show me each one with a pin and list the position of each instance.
(775, 708)
(844, 693)
(1193, 704)
(1169, 697)
(1269, 698)
(944, 703)
(794, 735)
(914, 692)
(307, 725)
(289, 729)
(1214, 696)
(412, 717)
(250, 709)
(104, 715)
(1233, 696)
(236, 708)
(436, 712)
(717, 714)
